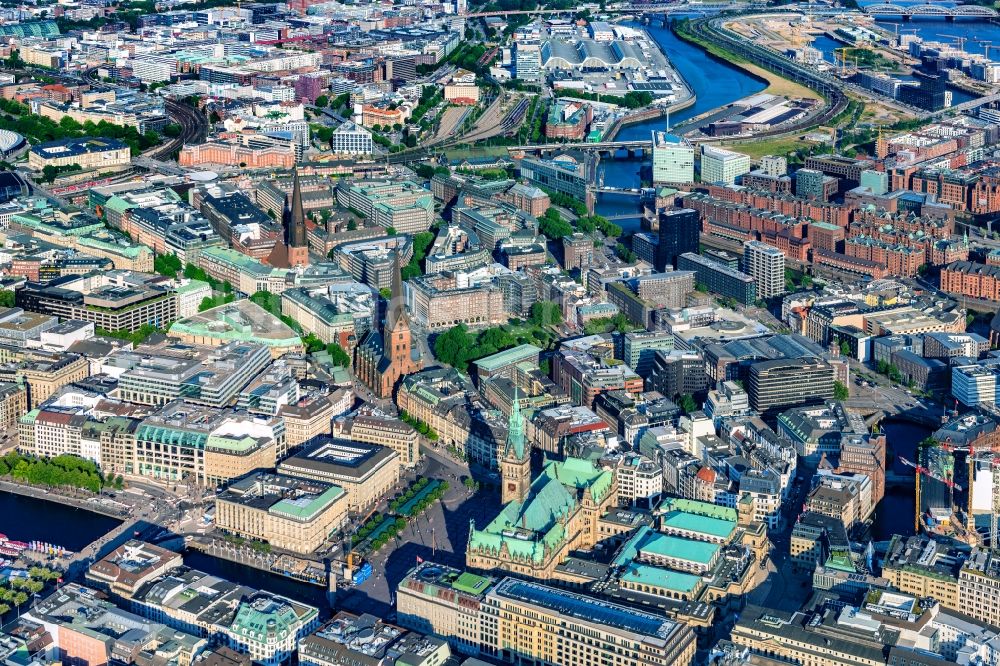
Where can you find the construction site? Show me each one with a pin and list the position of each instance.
(958, 481)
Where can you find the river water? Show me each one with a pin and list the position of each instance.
(715, 83)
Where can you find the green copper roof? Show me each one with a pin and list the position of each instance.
(840, 561)
(533, 529)
(664, 545)
(306, 508)
(701, 509)
(507, 357)
(257, 621)
(515, 431)
(690, 522)
(644, 574)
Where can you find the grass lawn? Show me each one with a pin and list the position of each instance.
(778, 85)
(780, 146)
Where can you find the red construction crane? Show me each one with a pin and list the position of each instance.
(931, 474)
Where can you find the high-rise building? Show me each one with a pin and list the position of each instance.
(865, 454)
(876, 181)
(722, 166)
(639, 349)
(673, 159)
(766, 265)
(679, 233)
(578, 251)
(527, 61)
(814, 184)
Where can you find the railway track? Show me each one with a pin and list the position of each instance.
(830, 89)
(194, 129)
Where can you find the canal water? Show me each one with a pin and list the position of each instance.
(30, 519)
(895, 513)
(251, 577)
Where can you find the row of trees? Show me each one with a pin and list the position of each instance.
(65, 470)
(17, 117)
(409, 494)
(418, 425)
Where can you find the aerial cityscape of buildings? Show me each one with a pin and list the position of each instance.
(461, 333)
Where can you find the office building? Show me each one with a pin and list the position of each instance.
(290, 513)
(765, 264)
(639, 349)
(679, 232)
(515, 621)
(528, 61)
(814, 184)
(73, 625)
(365, 640)
(128, 567)
(382, 431)
(366, 472)
(719, 278)
(783, 383)
(719, 165)
(212, 376)
(205, 446)
(876, 181)
(261, 625)
(88, 153)
(673, 159)
(578, 251)
(774, 166)
(351, 139)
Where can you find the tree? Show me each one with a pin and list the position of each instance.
(322, 101)
(840, 391)
(49, 173)
(313, 344)
(352, 226)
(167, 264)
(845, 348)
(688, 404)
(338, 355)
(6, 298)
(546, 313)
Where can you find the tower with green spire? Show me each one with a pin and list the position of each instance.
(515, 466)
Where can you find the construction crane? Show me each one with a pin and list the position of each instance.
(959, 39)
(931, 474)
(986, 46)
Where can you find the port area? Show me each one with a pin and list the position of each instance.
(619, 70)
(871, 55)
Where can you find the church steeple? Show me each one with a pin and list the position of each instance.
(297, 218)
(396, 310)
